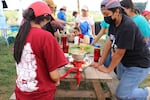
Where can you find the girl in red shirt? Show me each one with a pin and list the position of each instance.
(36, 54)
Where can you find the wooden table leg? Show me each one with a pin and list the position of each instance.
(98, 90)
(73, 85)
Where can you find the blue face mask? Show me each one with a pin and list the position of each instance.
(109, 20)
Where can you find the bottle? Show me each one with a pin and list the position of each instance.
(86, 39)
(76, 40)
(96, 53)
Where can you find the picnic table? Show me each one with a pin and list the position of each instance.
(89, 75)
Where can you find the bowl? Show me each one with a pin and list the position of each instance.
(78, 54)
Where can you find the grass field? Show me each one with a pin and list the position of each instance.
(7, 72)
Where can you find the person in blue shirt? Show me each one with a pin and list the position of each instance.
(139, 20)
(62, 15)
(86, 23)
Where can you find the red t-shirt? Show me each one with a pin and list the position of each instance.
(81, 35)
(41, 55)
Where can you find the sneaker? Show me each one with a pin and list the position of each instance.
(148, 97)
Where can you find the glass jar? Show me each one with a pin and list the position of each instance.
(96, 53)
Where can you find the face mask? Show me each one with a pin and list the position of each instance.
(109, 20)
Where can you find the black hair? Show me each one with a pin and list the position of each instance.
(136, 10)
(127, 4)
(74, 13)
(77, 28)
(62, 9)
(24, 29)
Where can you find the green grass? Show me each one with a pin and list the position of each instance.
(7, 72)
(146, 82)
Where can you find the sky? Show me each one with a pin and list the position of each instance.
(94, 5)
(71, 4)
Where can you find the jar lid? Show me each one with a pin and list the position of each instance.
(96, 46)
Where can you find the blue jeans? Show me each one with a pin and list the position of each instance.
(130, 78)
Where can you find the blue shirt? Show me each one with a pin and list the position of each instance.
(62, 16)
(105, 26)
(142, 23)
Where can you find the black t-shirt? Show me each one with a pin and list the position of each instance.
(127, 36)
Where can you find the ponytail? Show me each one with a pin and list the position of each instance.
(24, 29)
(22, 34)
(20, 40)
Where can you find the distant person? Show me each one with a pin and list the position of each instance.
(54, 25)
(146, 14)
(36, 55)
(3, 24)
(52, 5)
(75, 14)
(86, 23)
(62, 14)
(77, 32)
(137, 18)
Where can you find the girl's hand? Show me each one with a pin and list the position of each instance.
(100, 67)
(95, 65)
(57, 83)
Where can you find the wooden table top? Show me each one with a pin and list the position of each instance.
(88, 73)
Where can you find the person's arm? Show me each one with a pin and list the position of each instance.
(105, 51)
(116, 58)
(93, 30)
(146, 39)
(100, 34)
(54, 75)
(61, 21)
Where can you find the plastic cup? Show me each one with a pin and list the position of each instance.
(64, 40)
(65, 48)
(96, 54)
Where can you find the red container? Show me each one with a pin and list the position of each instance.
(96, 54)
(65, 48)
(64, 40)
